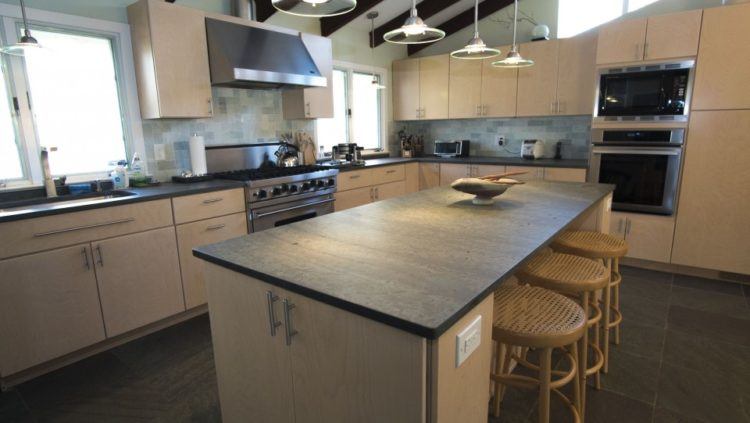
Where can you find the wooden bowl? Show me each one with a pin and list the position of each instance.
(483, 190)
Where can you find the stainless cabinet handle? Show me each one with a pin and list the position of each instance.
(638, 51)
(210, 106)
(307, 109)
(271, 315)
(259, 215)
(390, 171)
(552, 107)
(377, 193)
(290, 332)
(100, 260)
(86, 258)
(372, 194)
(484, 110)
(78, 228)
(627, 226)
(478, 110)
(645, 50)
(619, 226)
(216, 227)
(212, 200)
(354, 176)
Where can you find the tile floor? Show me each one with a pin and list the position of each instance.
(684, 357)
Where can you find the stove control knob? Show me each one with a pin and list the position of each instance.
(305, 186)
(331, 182)
(284, 187)
(261, 193)
(293, 188)
(276, 191)
(321, 184)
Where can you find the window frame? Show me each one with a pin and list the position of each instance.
(624, 10)
(119, 36)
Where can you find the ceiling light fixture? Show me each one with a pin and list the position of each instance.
(414, 31)
(315, 8)
(476, 49)
(26, 43)
(375, 80)
(514, 59)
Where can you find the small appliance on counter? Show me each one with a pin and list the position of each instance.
(345, 155)
(532, 149)
(452, 148)
(411, 145)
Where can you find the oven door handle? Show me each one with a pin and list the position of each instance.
(641, 151)
(301, 206)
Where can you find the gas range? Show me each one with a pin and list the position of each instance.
(274, 185)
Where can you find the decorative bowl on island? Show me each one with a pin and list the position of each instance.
(486, 188)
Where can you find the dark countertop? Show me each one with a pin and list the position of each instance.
(508, 161)
(165, 190)
(417, 262)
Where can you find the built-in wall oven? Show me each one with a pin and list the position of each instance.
(643, 164)
(649, 92)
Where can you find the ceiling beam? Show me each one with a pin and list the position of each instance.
(464, 19)
(425, 9)
(263, 10)
(332, 24)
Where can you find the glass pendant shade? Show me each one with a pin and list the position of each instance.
(514, 59)
(476, 49)
(315, 8)
(414, 31)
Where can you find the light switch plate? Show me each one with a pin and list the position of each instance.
(468, 340)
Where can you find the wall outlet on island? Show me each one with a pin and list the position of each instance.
(501, 140)
(468, 340)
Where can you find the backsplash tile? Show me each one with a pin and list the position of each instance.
(574, 131)
(240, 117)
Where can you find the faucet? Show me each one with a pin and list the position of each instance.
(49, 183)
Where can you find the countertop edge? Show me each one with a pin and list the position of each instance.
(500, 161)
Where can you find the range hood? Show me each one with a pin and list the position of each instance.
(243, 56)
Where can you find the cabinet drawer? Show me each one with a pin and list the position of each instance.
(355, 179)
(385, 174)
(202, 232)
(389, 190)
(564, 175)
(44, 233)
(352, 198)
(211, 204)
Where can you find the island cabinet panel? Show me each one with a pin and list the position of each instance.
(499, 88)
(429, 175)
(712, 217)
(49, 306)
(721, 75)
(673, 35)
(352, 198)
(465, 88)
(576, 75)
(406, 89)
(621, 41)
(564, 175)
(537, 85)
(139, 279)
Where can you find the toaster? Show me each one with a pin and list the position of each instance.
(532, 149)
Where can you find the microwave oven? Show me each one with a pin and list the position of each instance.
(452, 148)
(653, 92)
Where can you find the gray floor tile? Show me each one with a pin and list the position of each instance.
(516, 406)
(711, 325)
(632, 375)
(646, 341)
(668, 416)
(711, 285)
(12, 407)
(746, 291)
(645, 311)
(655, 288)
(698, 299)
(608, 407)
(653, 275)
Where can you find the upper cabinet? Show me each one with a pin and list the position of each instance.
(478, 89)
(659, 37)
(722, 76)
(171, 60)
(406, 89)
(576, 75)
(420, 88)
(499, 88)
(537, 85)
(311, 103)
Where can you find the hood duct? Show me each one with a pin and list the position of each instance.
(244, 56)
(244, 9)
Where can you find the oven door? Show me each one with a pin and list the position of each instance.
(293, 211)
(645, 178)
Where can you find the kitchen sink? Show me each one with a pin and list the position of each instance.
(63, 201)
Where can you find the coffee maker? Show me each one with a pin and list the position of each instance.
(347, 153)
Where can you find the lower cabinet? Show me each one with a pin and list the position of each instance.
(532, 173)
(365, 186)
(352, 198)
(429, 175)
(649, 236)
(389, 190)
(564, 174)
(49, 306)
(411, 176)
(451, 172)
(139, 279)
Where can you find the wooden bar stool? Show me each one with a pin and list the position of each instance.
(532, 317)
(579, 278)
(608, 249)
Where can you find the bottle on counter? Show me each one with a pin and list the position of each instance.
(119, 175)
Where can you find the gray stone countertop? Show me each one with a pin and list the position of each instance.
(508, 161)
(417, 262)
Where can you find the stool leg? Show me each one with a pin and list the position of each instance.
(577, 380)
(616, 299)
(500, 358)
(545, 378)
(606, 317)
(583, 356)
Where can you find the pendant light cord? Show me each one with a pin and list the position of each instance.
(515, 22)
(476, 19)
(25, 21)
(413, 8)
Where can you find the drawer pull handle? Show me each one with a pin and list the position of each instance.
(354, 176)
(79, 228)
(101, 257)
(290, 332)
(216, 227)
(390, 171)
(86, 258)
(271, 315)
(212, 200)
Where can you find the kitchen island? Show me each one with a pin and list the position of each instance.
(353, 316)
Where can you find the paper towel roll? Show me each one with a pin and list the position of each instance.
(198, 155)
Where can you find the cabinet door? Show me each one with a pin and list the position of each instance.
(406, 89)
(721, 76)
(465, 86)
(252, 366)
(576, 81)
(649, 237)
(411, 176)
(484, 170)
(564, 175)
(537, 85)
(429, 175)
(49, 306)
(433, 86)
(203, 232)
(451, 172)
(532, 173)
(347, 368)
(499, 87)
(712, 217)
(673, 35)
(352, 198)
(621, 41)
(139, 279)
(311, 103)
(385, 174)
(389, 190)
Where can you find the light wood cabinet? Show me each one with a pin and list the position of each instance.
(532, 173)
(649, 236)
(49, 306)
(385, 174)
(429, 175)
(499, 88)
(721, 75)
(389, 190)
(673, 35)
(190, 208)
(564, 174)
(311, 103)
(354, 179)
(433, 86)
(449, 172)
(139, 279)
(352, 198)
(365, 186)
(203, 232)
(171, 60)
(712, 217)
(411, 176)
(621, 41)
(484, 170)
(405, 81)
(465, 89)
(576, 75)
(537, 85)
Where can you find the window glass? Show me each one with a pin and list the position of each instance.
(333, 131)
(75, 101)
(365, 111)
(637, 4)
(10, 153)
(577, 16)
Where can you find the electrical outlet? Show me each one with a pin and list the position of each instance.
(160, 152)
(468, 340)
(501, 140)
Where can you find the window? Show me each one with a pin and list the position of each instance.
(358, 110)
(11, 167)
(637, 4)
(577, 16)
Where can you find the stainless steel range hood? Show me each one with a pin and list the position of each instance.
(249, 57)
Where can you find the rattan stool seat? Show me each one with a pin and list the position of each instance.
(564, 273)
(590, 244)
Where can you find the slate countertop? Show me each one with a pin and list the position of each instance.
(417, 262)
(165, 190)
(478, 160)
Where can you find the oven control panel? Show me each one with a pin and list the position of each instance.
(293, 188)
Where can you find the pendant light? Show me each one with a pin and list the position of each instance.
(414, 31)
(315, 8)
(476, 49)
(26, 43)
(375, 82)
(514, 59)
